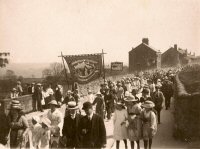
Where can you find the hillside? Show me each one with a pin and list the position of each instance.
(27, 70)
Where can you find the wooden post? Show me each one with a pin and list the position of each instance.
(104, 76)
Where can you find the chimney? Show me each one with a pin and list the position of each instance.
(194, 54)
(145, 40)
(175, 47)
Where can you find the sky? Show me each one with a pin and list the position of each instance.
(36, 31)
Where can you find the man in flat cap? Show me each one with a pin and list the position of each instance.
(92, 129)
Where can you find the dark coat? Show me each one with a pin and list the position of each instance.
(100, 106)
(58, 96)
(68, 99)
(95, 134)
(4, 128)
(158, 99)
(71, 129)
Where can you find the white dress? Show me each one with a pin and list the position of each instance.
(120, 130)
(36, 135)
(56, 119)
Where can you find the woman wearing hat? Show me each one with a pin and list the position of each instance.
(56, 118)
(120, 130)
(100, 105)
(134, 121)
(149, 123)
(18, 125)
(14, 93)
(145, 95)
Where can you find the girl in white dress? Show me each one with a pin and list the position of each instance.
(120, 129)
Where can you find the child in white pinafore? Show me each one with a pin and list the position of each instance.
(36, 132)
(45, 133)
(120, 129)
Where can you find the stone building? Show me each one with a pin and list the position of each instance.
(144, 57)
(175, 56)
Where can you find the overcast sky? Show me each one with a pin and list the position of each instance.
(38, 30)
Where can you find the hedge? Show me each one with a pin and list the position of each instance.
(187, 111)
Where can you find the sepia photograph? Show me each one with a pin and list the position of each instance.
(99, 74)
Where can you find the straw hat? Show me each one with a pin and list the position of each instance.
(127, 93)
(18, 82)
(158, 86)
(53, 102)
(46, 121)
(38, 84)
(98, 93)
(148, 104)
(14, 89)
(15, 104)
(72, 105)
(119, 84)
(69, 92)
(130, 98)
(120, 104)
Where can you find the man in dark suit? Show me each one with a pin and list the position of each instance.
(92, 129)
(71, 131)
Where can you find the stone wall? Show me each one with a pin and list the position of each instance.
(26, 102)
(187, 113)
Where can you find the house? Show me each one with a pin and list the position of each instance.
(175, 56)
(144, 57)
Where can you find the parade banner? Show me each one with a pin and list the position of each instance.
(84, 68)
(117, 66)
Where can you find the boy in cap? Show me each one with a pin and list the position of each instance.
(92, 129)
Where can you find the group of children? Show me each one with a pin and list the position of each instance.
(134, 122)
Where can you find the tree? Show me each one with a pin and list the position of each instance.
(54, 74)
(4, 59)
(10, 74)
(46, 72)
(56, 69)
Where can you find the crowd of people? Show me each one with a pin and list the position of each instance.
(134, 104)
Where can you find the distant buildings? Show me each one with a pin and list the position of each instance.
(175, 56)
(144, 57)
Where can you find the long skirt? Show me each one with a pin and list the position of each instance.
(135, 129)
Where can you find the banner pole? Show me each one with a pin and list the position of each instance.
(104, 76)
(65, 69)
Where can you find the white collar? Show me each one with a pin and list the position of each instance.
(91, 115)
(73, 116)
